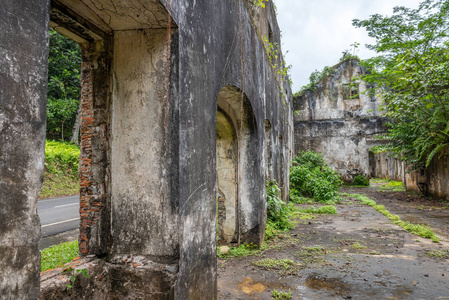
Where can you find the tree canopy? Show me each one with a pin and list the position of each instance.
(64, 63)
(411, 73)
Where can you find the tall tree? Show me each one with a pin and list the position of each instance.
(64, 63)
(412, 76)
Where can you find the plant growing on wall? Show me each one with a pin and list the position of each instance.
(412, 75)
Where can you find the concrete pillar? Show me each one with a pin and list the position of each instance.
(23, 86)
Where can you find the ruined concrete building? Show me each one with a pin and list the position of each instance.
(338, 119)
(180, 103)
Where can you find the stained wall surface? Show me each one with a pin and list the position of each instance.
(23, 78)
(152, 73)
(433, 181)
(386, 165)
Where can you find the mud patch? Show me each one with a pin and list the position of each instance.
(249, 287)
(319, 282)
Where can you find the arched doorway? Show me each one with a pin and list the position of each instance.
(241, 210)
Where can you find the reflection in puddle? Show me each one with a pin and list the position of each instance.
(318, 282)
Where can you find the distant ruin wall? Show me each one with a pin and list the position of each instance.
(385, 165)
(339, 120)
(433, 181)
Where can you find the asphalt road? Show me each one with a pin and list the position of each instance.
(58, 214)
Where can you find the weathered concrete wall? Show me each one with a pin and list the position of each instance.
(227, 184)
(385, 165)
(339, 120)
(23, 78)
(432, 181)
(148, 159)
(139, 179)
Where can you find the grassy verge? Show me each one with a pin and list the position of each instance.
(387, 185)
(61, 170)
(417, 229)
(58, 255)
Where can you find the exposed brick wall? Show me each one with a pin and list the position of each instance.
(93, 166)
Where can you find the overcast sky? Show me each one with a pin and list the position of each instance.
(316, 32)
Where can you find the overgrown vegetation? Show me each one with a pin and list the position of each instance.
(278, 212)
(379, 149)
(418, 229)
(282, 266)
(64, 64)
(279, 295)
(61, 169)
(317, 76)
(360, 180)
(311, 177)
(388, 185)
(440, 253)
(410, 74)
(327, 209)
(58, 255)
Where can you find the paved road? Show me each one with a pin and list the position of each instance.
(58, 214)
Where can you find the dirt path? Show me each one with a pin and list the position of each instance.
(356, 254)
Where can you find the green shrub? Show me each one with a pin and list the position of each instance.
(277, 210)
(61, 169)
(61, 157)
(311, 177)
(360, 180)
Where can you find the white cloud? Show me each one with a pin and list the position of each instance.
(316, 32)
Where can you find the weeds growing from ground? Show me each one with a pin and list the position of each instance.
(417, 229)
(283, 266)
(328, 209)
(279, 295)
(360, 180)
(441, 253)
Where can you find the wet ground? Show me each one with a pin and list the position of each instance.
(356, 254)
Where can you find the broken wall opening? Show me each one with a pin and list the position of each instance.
(128, 205)
(237, 144)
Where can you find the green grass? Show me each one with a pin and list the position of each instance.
(58, 255)
(243, 250)
(387, 185)
(417, 229)
(358, 246)
(283, 266)
(61, 170)
(327, 209)
(441, 254)
(279, 295)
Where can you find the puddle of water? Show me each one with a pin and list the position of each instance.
(318, 282)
